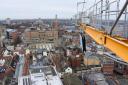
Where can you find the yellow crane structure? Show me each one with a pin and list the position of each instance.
(116, 44)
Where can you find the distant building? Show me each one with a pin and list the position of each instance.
(39, 21)
(71, 37)
(2, 28)
(12, 35)
(38, 37)
(55, 23)
(8, 21)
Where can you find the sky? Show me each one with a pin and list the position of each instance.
(29, 9)
(20, 9)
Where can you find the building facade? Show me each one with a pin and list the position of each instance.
(37, 38)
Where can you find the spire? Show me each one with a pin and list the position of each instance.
(55, 22)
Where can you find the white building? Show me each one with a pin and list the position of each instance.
(46, 75)
(8, 21)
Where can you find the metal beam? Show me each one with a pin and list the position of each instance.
(119, 47)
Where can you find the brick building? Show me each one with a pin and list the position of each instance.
(35, 37)
(49, 36)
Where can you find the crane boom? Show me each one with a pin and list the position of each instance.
(116, 45)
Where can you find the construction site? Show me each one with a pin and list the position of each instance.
(103, 29)
(91, 48)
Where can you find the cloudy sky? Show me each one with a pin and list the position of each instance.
(37, 8)
(21, 9)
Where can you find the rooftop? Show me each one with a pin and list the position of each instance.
(41, 76)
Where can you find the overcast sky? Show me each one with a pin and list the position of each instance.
(21, 9)
(37, 8)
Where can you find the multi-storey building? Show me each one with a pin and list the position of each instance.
(49, 36)
(37, 38)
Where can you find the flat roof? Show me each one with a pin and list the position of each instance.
(48, 70)
(40, 75)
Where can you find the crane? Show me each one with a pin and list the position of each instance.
(117, 45)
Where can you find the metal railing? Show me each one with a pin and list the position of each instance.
(103, 14)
